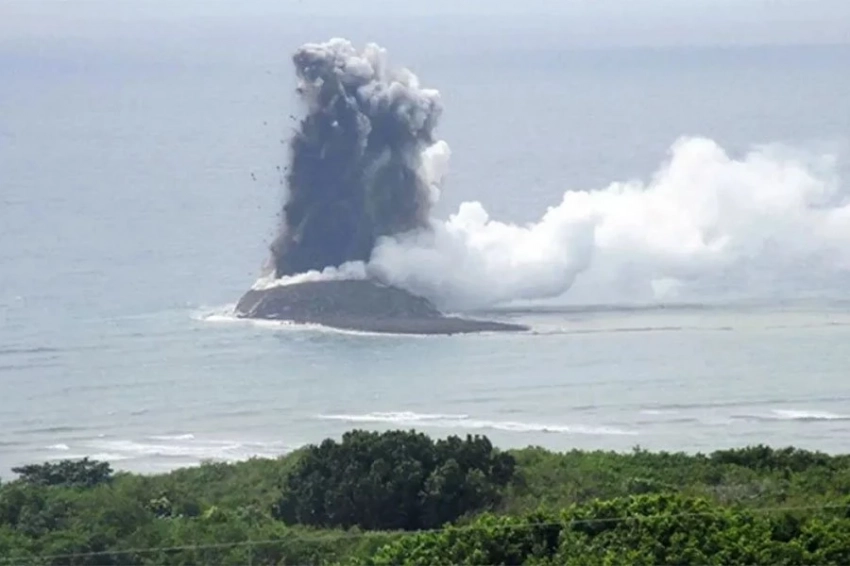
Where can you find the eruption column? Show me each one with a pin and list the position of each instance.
(355, 169)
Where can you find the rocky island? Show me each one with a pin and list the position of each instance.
(361, 305)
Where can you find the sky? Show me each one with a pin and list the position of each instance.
(575, 23)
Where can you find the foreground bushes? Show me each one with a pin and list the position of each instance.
(648, 530)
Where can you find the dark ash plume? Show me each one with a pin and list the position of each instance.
(355, 161)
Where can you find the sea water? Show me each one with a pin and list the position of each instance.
(140, 187)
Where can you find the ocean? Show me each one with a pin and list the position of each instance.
(140, 186)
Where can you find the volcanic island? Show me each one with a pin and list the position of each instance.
(359, 305)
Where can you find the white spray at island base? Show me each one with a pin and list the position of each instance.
(705, 222)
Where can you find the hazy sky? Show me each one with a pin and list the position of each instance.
(564, 22)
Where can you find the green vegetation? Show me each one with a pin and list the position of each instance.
(68, 473)
(395, 480)
(403, 498)
(645, 529)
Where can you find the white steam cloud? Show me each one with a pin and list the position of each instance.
(703, 219)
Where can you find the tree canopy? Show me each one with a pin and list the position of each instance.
(67, 473)
(394, 480)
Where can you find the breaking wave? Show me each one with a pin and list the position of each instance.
(181, 449)
(465, 422)
(795, 415)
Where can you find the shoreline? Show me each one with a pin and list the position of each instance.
(447, 326)
(7, 475)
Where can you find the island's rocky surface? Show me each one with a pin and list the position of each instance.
(361, 305)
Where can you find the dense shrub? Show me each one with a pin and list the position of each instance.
(394, 480)
(766, 458)
(643, 530)
(67, 473)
